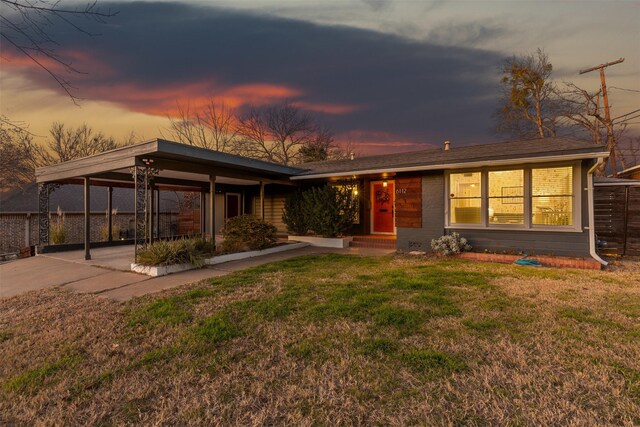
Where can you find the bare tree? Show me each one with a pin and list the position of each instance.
(254, 138)
(278, 133)
(213, 128)
(528, 105)
(20, 156)
(323, 147)
(579, 108)
(25, 25)
(68, 143)
(291, 129)
(281, 133)
(629, 154)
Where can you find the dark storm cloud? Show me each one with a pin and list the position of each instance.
(466, 34)
(415, 90)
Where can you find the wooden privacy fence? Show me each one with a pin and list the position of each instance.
(617, 219)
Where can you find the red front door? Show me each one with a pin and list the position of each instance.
(383, 198)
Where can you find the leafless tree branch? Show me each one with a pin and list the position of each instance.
(25, 26)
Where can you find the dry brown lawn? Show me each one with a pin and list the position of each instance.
(333, 340)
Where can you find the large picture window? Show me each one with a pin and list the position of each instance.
(506, 197)
(465, 194)
(530, 197)
(552, 196)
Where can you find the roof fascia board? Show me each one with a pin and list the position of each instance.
(460, 165)
(104, 162)
(203, 154)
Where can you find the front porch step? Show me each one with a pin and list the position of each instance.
(373, 242)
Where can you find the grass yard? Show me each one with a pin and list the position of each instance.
(333, 340)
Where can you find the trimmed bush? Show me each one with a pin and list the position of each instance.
(329, 210)
(169, 252)
(451, 244)
(293, 215)
(247, 232)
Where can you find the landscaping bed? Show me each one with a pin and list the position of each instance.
(245, 236)
(222, 257)
(333, 340)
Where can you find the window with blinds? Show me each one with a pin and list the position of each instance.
(552, 196)
(506, 197)
(465, 195)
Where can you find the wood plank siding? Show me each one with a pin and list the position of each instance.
(273, 206)
(432, 216)
(617, 218)
(408, 207)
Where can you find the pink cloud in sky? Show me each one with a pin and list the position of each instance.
(102, 82)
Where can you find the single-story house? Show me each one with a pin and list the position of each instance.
(534, 196)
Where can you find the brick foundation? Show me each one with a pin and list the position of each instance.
(547, 261)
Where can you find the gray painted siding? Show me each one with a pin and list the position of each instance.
(532, 242)
(419, 239)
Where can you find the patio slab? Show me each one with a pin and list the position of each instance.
(113, 258)
(104, 282)
(33, 273)
(102, 276)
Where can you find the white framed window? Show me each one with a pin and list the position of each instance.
(552, 197)
(506, 197)
(465, 198)
(544, 197)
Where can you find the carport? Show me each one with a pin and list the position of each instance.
(149, 168)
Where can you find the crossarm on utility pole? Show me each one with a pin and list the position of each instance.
(611, 140)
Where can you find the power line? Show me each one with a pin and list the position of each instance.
(628, 118)
(621, 88)
(628, 114)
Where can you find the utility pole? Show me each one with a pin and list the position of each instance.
(611, 142)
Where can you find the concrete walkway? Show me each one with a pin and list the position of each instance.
(107, 275)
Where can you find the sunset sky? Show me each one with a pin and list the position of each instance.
(389, 75)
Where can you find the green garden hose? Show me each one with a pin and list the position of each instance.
(529, 262)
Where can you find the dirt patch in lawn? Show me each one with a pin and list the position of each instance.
(333, 339)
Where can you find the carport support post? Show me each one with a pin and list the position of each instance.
(157, 211)
(203, 221)
(262, 200)
(109, 213)
(152, 202)
(212, 208)
(44, 191)
(87, 218)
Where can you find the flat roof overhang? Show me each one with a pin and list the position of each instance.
(179, 165)
(457, 165)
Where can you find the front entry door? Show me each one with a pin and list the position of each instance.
(382, 216)
(232, 204)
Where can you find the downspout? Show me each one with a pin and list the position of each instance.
(592, 227)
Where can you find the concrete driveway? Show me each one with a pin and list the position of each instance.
(106, 276)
